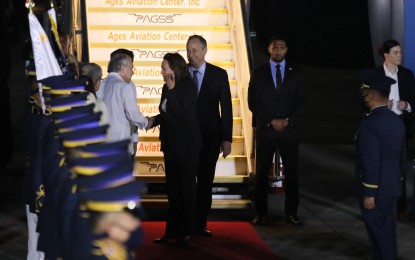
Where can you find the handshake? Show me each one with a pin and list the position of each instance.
(150, 123)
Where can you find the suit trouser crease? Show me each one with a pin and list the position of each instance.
(205, 175)
(288, 145)
(181, 191)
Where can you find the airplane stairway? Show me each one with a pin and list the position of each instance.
(152, 28)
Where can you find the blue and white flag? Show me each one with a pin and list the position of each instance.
(45, 60)
(55, 42)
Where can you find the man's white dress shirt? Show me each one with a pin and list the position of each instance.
(121, 101)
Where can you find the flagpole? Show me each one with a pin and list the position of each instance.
(29, 4)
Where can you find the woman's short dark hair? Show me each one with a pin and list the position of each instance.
(178, 64)
(387, 46)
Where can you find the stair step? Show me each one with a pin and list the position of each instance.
(216, 204)
(163, 46)
(218, 178)
(153, 165)
(152, 70)
(149, 107)
(155, 138)
(144, 16)
(146, 147)
(156, 5)
(223, 53)
(158, 29)
(177, 11)
(151, 88)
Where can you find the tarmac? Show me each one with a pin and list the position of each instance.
(332, 226)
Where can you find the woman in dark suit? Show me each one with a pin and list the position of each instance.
(401, 100)
(180, 142)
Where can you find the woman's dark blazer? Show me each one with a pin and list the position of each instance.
(406, 84)
(179, 128)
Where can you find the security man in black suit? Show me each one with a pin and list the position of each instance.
(401, 99)
(276, 96)
(381, 150)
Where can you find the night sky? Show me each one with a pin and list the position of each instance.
(320, 33)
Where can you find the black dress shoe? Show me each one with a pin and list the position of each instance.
(259, 221)
(293, 220)
(404, 216)
(206, 233)
(185, 239)
(163, 240)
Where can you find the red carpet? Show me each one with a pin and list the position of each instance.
(230, 240)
